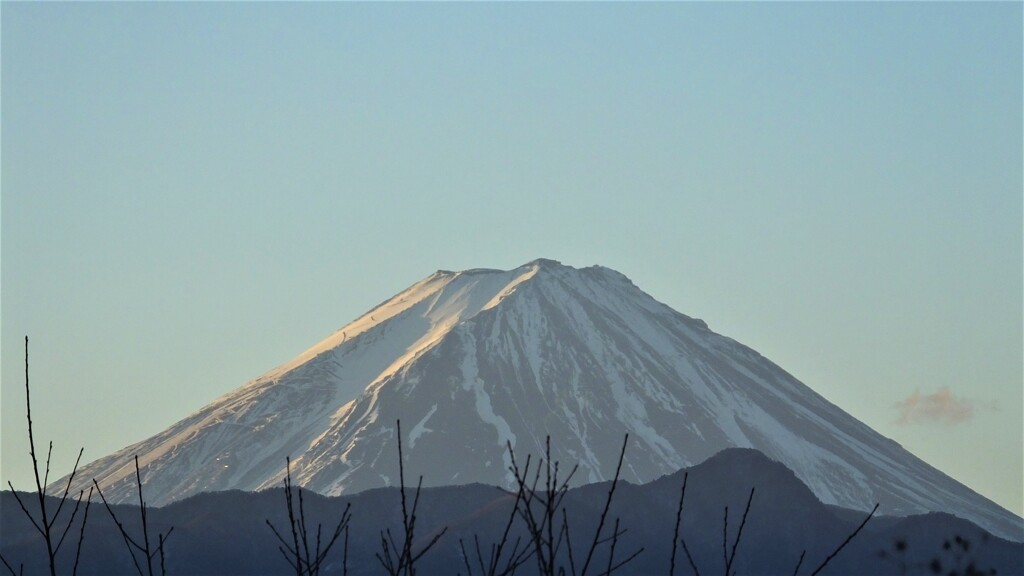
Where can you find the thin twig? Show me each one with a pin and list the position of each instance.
(67, 487)
(465, 558)
(24, 509)
(344, 562)
(46, 522)
(46, 478)
(739, 534)
(128, 541)
(144, 548)
(799, 562)
(607, 506)
(479, 555)
(497, 551)
(689, 558)
(145, 524)
(845, 542)
(568, 537)
(81, 533)
(404, 561)
(626, 561)
(9, 567)
(611, 551)
(725, 540)
(67, 528)
(297, 554)
(40, 485)
(163, 569)
(675, 533)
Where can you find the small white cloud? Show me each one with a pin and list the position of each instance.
(942, 407)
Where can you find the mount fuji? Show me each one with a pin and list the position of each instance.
(471, 360)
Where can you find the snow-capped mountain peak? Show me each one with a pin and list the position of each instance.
(471, 360)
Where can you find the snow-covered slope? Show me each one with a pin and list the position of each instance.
(470, 360)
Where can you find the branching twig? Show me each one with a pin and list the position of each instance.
(46, 523)
(607, 506)
(297, 553)
(401, 560)
(540, 524)
(493, 566)
(542, 509)
(130, 543)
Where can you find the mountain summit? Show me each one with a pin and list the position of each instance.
(471, 360)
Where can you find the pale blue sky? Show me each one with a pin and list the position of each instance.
(195, 193)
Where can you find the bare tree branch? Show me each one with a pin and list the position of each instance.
(148, 553)
(402, 560)
(297, 554)
(45, 525)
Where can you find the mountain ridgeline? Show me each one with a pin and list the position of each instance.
(472, 361)
(225, 533)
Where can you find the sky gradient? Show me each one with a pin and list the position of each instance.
(193, 194)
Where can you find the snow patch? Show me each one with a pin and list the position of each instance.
(471, 381)
(421, 428)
